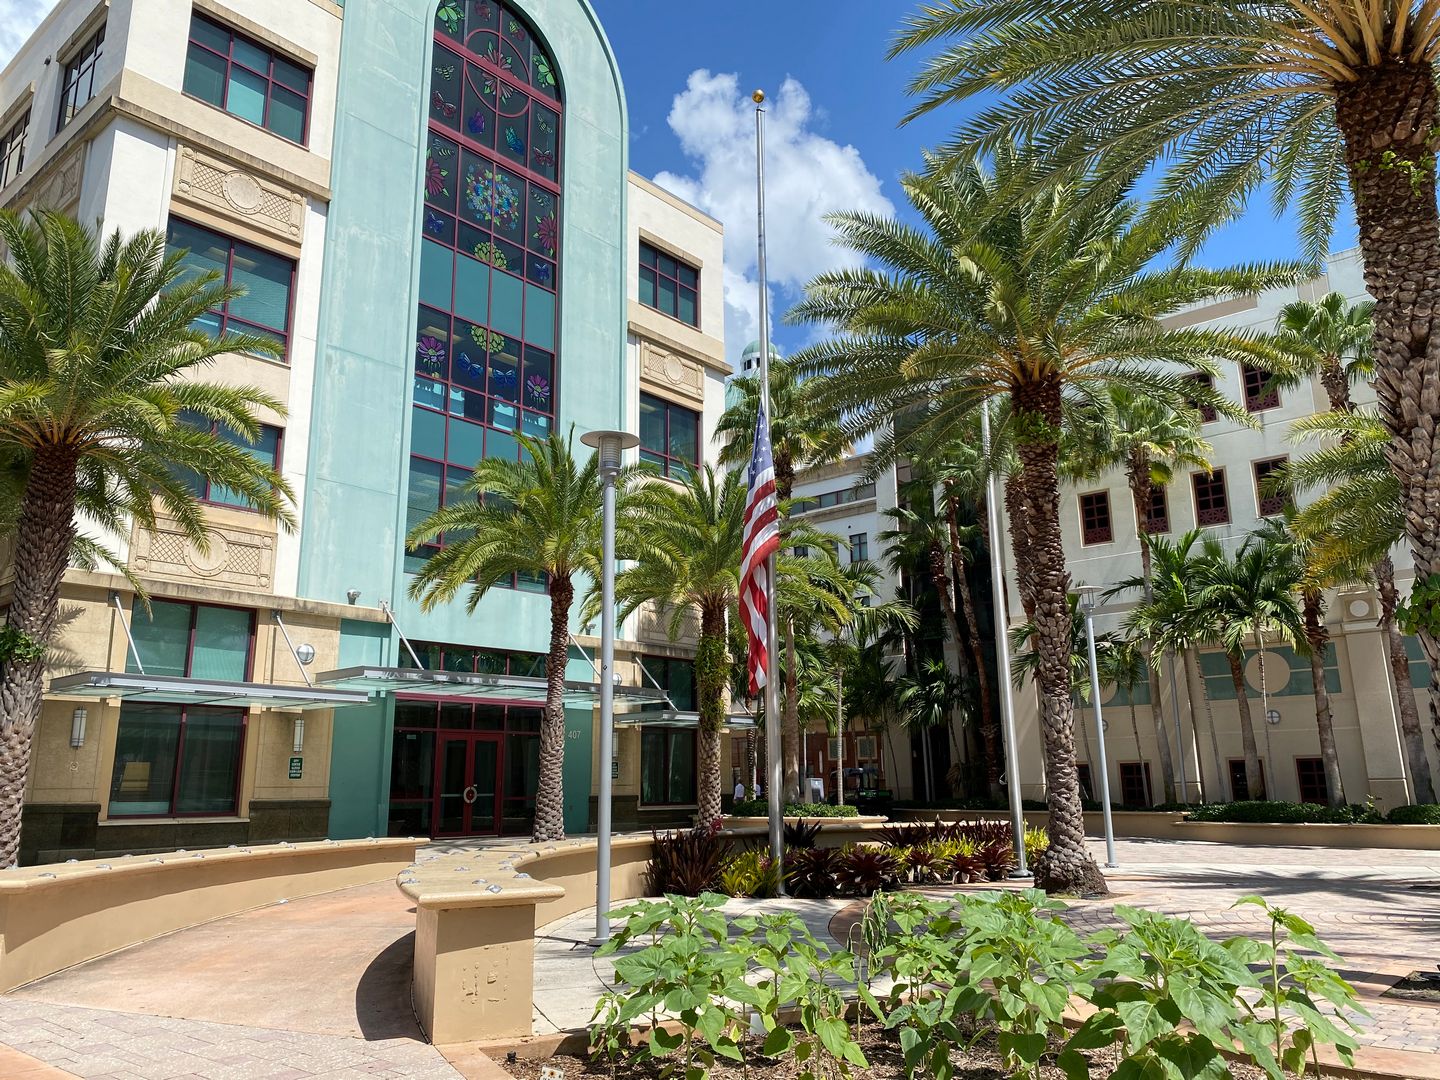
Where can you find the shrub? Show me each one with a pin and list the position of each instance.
(799, 835)
(761, 808)
(686, 862)
(865, 870)
(811, 872)
(1424, 814)
(1284, 813)
(750, 873)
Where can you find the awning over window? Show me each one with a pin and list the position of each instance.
(494, 689)
(675, 719)
(175, 690)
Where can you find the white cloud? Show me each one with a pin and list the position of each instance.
(806, 177)
(17, 19)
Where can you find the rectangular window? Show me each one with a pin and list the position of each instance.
(1207, 413)
(1158, 519)
(676, 678)
(268, 280)
(1269, 502)
(1310, 771)
(174, 760)
(1239, 789)
(667, 766)
(1135, 783)
(669, 285)
(1095, 524)
(1261, 393)
(1083, 772)
(1212, 505)
(265, 449)
(669, 436)
(859, 547)
(77, 85)
(12, 149)
(827, 499)
(195, 641)
(247, 79)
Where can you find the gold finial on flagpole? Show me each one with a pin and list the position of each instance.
(758, 97)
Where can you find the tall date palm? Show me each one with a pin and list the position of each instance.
(1303, 98)
(101, 410)
(1026, 301)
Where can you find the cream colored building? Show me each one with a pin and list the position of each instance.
(1099, 529)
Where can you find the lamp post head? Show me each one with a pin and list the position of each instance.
(609, 447)
(1085, 595)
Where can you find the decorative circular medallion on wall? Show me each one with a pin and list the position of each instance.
(1359, 609)
(242, 191)
(674, 369)
(211, 562)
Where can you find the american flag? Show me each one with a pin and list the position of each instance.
(761, 540)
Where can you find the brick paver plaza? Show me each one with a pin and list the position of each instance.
(320, 987)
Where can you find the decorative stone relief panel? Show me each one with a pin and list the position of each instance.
(673, 373)
(237, 556)
(61, 190)
(223, 188)
(653, 624)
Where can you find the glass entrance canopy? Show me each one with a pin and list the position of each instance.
(175, 690)
(494, 689)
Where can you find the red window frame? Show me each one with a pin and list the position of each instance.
(671, 465)
(223, 313)
(205, 485)
(1135, 788)
(1238, 783)
(656, 274)
(1274, 503)
(1157, 516)
(1208, 415)
(12, 148)
(1310, 776)
(1097, 524)
(268, 75)
(1212, 500)
(1261, 393)
(79, 68)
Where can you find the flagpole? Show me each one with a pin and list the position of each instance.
(772, 648)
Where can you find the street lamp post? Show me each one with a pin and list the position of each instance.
(1087, 605)
(609, 447)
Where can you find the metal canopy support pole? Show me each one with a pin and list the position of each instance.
(1087, 601)
(773, 749)
(129, 637)
(1002, 649)
(291, 646)
(403, 639)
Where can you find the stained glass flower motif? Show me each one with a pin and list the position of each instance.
(430, 351)
(449, 15)
(491, 253)
(546, 233)
(538, 387)
(492, 197)
(544, 74)
(434, 178)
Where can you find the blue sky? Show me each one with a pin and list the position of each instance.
(834, 137)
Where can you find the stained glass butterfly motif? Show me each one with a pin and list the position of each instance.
(434, 223)
(440, 105)
(476, 123)
(545, 158)
(513, 142)
(540, 271)
(502, 380)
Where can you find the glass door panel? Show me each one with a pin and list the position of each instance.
(453, 782)
(485, 787)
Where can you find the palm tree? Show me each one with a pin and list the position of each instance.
(538, 516)
(1028, 302)
(1350, 528)
(1171, 622)
(1126, 665)
(798, 440)
(1244, 597)
(1152, 442)
(927, 700)
(101, 411)
(684, 543)
(1329, 339)
(1302, 99)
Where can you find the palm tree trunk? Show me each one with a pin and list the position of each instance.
(549, 821)
(1139, 753)
(1019, 513)
(989, 719)
(1392, 109)
(711, 667)
(1317, 636)
(43, 536)
(1066, 865)
(790, 729)
(1194, 676)
(1254, 783)
(1411, 735)
(1140, 484)
(751, 760)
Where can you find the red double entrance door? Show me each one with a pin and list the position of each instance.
(467, 784)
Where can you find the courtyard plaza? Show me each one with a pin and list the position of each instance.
(320, 986)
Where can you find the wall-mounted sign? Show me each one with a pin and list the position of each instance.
(296, 765)
(614, 768)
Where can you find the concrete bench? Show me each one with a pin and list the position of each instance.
(58, 915)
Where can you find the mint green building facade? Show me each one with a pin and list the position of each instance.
(356, 503)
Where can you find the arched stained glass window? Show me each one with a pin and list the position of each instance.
(486, 363)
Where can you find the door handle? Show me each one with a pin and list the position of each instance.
(470, 794)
